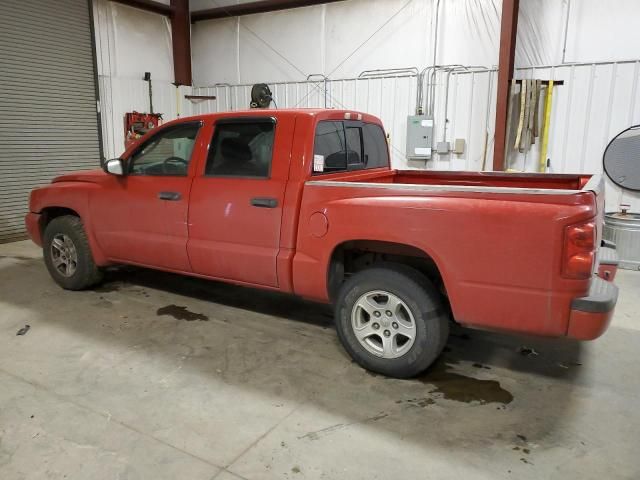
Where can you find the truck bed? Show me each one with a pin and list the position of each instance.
(488, 182)
(496, 238)
(493, 179)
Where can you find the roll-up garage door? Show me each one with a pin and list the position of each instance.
(48, 120)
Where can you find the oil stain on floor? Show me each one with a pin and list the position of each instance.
(461, 388)
(19, 257)
(181, 313)
(108, 287)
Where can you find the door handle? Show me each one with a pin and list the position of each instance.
(264, 202)
(169, 196)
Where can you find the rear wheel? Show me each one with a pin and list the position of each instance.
(67, 254)
(390, 320)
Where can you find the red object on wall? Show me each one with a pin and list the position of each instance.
(137, 124)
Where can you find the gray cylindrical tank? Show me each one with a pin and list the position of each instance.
(623, 228)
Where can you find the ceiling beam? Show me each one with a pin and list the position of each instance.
(148, 5)
(253, 7)
(508, 30)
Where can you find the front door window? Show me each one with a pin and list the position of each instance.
(167, 153)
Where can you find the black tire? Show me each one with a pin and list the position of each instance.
(86, 272)
(423, 302)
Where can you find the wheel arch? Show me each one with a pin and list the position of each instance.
(67, 198)
(351, 256)
(50, 212)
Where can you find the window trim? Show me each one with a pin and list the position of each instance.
(358, 125)
(161, 131)
(353, 124)
(239, 121)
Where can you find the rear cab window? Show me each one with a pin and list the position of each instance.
(348, 145)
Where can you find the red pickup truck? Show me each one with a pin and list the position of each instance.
(305, 202)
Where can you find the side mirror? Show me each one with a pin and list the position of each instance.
(114, 166)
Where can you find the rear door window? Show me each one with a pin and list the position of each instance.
(330, 148)
(241, 148)
(348, 145)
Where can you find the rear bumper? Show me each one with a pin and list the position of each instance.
(608, 263)
(32, 222)
(590, 316)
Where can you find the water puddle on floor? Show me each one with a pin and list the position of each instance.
(461, 388)
(181, 313)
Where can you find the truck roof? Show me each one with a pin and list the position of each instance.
(277, 113)
(323, 113)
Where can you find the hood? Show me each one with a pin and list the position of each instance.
(91, 176)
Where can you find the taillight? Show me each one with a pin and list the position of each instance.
(579, 250)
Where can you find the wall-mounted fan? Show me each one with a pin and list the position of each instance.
(261, 96)
(622, 159)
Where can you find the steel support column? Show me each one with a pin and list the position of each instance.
(508, 29)
(178, 12)
(181, 42)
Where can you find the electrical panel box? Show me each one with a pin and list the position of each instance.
(419, 137)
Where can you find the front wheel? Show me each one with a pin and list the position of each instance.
(391, 321)
(67, 254)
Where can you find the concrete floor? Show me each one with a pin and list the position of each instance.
(122, 382)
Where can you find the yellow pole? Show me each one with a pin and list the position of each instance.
(545, 128)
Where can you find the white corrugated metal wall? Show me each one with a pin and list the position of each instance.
(391, 98)
(595, 102)
(121, 95)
